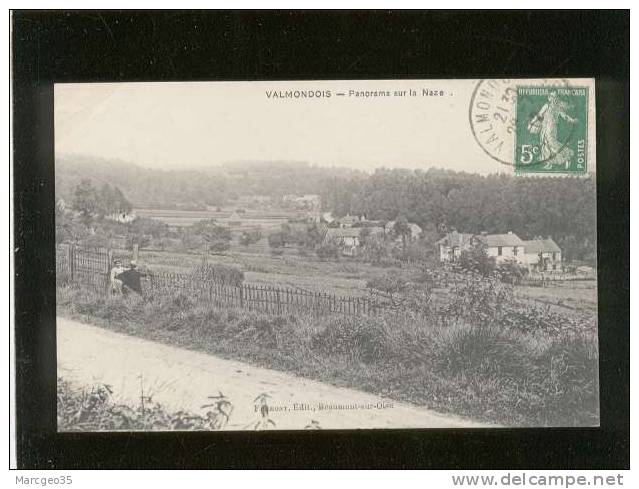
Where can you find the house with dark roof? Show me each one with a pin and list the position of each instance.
(349, 239)
(536, 255)
(542, 255)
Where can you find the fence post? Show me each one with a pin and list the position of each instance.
(241, 296)
(70, 258)
(136, 251)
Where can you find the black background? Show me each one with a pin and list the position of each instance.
(88, 46)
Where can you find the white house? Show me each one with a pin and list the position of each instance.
(536, 255)
(122, 217)
(542, 255)
(503, 247)
(347, 221)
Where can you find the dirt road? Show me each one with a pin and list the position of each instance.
(182, 379)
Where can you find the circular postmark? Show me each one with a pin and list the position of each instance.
(494, 119)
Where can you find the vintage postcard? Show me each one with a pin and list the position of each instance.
(315, 255)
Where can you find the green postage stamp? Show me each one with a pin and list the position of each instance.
(551, 130)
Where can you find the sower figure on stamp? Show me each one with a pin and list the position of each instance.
(545, 122)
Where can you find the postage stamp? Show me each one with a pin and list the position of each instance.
(551, 130)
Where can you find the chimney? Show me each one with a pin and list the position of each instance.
(510, 232)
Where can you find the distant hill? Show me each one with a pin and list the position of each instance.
(145, 187)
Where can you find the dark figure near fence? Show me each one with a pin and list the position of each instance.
(131, 279)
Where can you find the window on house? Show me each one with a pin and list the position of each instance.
(499, 250)
(554, 255)
(554, 266)
(515, 251)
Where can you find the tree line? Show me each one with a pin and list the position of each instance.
(563, 208)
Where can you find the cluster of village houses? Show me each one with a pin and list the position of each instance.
(541, 254)
(537, 255)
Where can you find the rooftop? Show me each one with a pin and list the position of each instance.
(541, 246)
(492, 240)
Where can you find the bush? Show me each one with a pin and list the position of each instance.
(511, 272)
(327, 251)
(250, 237)
(462, 349)
(219, 272)
(477, 260)
(363, 339)
(216, 236)
(92, 409)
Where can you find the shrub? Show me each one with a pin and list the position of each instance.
(250, 237)
(511, 272)
(92, 409)
(477, 260)
(363, 339)
(219, 272)
(327, 251)
(463, 349)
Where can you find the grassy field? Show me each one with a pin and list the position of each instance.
(490, 360)
(345, 277)
(349, 277)
(566, 296)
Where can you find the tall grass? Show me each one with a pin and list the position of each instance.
(510, 374)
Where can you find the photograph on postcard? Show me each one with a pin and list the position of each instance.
(306, 255)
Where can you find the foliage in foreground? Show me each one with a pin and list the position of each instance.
(483, 359)
(93, 409)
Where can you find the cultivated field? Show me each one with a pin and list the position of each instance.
(349, 277)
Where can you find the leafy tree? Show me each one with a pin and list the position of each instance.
(216, 236)
(86, 201)
(328, 250)
(476, 259)
(391, 284)
(250, 236)
(376, 250)
(402, 230)
(314, 236)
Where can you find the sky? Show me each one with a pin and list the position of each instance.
(206, 124)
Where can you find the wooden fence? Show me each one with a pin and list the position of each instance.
(90, 267)
(263, 298)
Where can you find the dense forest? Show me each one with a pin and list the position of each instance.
(437, 200)
(564, 208)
